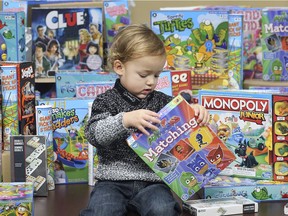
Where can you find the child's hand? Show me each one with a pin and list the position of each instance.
(202, 114)
(141, 119)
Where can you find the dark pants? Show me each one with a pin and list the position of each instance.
(118, 197)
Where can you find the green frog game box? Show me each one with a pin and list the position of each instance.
(183, 154)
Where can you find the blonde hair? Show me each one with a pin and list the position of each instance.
(135, 41)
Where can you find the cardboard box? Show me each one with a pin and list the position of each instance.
(29, 161)
(16, 198)
(225, 206)
(181, 152)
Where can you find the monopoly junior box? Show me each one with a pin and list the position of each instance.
(225, 206)
(243, 120)
(185, 155)
(256, 190)
(16, 198)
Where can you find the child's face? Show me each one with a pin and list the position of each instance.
(140, 76)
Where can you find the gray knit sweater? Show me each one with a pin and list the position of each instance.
(105, 131)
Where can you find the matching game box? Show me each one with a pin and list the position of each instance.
(183, 154)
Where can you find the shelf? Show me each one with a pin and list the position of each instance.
(258, 82)
(45, 80)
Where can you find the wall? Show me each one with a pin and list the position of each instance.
(140, 13)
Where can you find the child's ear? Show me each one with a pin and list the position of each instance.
(118, 67)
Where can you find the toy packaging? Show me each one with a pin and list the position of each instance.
(12, 36)
(185, 155)
(9, 104)
(116, 17)
(25, 95)
(223, 206)
(280, 136)
(92, 156)
(16, 198)
(256, 190)
(75, 34)
(44, 127)
(243, 120)
(181, 80)
(195, 40)
(29, 161)
(92, 89)
(277, 89)
(66, 81)
(275, 44)
(165, 83)
(69, 116)
(252, 49)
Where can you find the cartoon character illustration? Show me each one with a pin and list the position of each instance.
(200, 166)
(277, 69)
(199, 139)
(261, 193)
(182, 150)
(282, 128)
(189, 181)
(223, 131)
(283, 108)
(153, 137)
(258, 143)
(23, 209)
(248, 161)
(286, 59)
(216, 156)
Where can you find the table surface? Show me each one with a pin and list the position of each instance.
(71, 198)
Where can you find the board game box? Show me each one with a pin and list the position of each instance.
(280, 136)
(66, 39)
(275, 44)
(253, 189)
(196, 40)
(223, 206)
(183, 154)
(252, 48)
(16, 198)
(25, 95)
(66, 81)
(12, 36)
(44, 128)
(243, 120)
(69, 116)
(29, 161)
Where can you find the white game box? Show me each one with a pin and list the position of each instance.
(222, 206)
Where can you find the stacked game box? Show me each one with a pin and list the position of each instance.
(252, 49)
(16, 198)
(18, 105)
(243, 120)
(12, 36)
(66, 39)
(25, 95)
(69, 116)
(183, 154)
(9, 104)
(280, 137)
(165, 83)
(44, 128)
(116, 17)
(66, 81)
(29, 161)
(275, 44)
(224, 206)
(256, 190)
(195, 40)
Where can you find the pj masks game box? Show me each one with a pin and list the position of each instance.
(183, 154)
